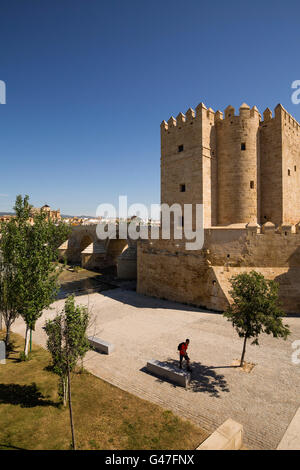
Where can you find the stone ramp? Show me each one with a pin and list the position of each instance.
(288, 278)
(291, 438)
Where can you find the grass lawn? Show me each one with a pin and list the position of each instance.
(105, 417)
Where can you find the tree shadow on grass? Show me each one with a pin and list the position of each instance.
(27, 396)
(49, 368)
(203, 379)
(11, 348)
(10, 447)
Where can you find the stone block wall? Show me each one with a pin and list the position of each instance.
(165, 269)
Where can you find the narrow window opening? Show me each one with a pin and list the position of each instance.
(295, 168)
(243, 146)
(180, 148)
(289, 172)
(182, 188)
(252, 184)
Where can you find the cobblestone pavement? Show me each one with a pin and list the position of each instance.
(143, 328)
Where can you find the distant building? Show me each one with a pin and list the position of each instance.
(6, 217)
(51, 214)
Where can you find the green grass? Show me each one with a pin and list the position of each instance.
(105, 417)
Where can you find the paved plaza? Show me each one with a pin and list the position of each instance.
(143, 328)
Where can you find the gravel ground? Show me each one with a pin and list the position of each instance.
(143, 328)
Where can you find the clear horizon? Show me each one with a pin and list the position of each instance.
(88, 84)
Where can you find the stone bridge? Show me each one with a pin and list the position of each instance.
(85, 248)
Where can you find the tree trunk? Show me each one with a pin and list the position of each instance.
(65, 390)
(26, 341)
(30, 340)
(7, 337)
(243, 353)
(70, 409)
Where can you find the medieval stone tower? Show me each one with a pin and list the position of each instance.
(238, 166)
(242, 169)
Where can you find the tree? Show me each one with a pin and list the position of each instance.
(8, 279)
(33, 261)
(67, 343)
(10, 254)
(255, 308)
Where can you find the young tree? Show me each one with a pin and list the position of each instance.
(8, 286)
(33, 260)
(255, 308)
(67, 343)
(10, 243)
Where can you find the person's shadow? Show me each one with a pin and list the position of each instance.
(203, 378)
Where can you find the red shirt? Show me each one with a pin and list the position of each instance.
(183, 349)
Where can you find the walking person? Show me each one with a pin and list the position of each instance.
(182, 348)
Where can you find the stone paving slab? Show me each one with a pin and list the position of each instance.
(141, 327)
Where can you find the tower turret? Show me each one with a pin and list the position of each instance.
(238, 166)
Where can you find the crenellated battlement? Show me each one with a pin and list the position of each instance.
(286, 117)
(201, 111)
(280, 114)
(270, 228)
(187, 118)
(244, 112)
(229, 113)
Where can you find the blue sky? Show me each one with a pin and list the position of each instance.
(88, 83)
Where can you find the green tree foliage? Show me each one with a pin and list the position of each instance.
(29, 259)
(68, 343)
(255, 308)
(9, 279)
(12, 240)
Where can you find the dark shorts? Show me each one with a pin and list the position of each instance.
(186, 357)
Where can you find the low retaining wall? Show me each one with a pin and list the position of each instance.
(291, 438)
(229, 436)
